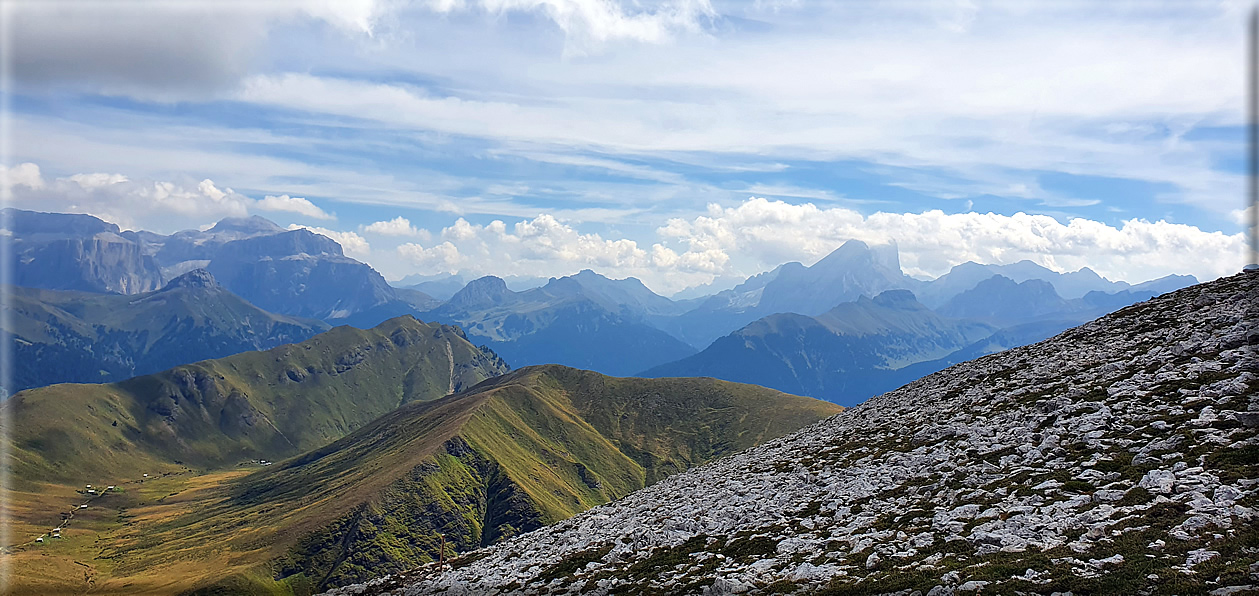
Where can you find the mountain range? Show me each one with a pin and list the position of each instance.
(866, 347)
(837, 355)
(389, 443)
(80, 337)
(291, 272)
(242, 446)
(585, 320)
(1119, 457)
(254, 405)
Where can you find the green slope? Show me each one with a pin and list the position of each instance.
(254, 405)
(517, 452)
(79, 337)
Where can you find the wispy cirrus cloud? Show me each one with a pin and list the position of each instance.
(611, 116)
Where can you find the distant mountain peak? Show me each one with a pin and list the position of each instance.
(848, 251)
(897, 298)
(197, 278)
(250, 225)
(482, 291)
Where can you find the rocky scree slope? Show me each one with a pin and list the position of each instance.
(1117, 457)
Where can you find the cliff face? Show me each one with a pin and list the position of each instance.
(101, 262)
(290, 272)
(1121, 456)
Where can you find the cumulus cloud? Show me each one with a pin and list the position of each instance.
(398, 226)
(760, 234)
(546, 246)
(157, 205)
(766, 233)
(296, 205)
(26, 174)
(354, 245)
(161, 206)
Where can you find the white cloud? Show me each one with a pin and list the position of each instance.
(296, 205)
(90, 181)
(354, 245)
(1030, 88)
(588, 24)
(759, 234)
(25, 174)
(442, 258)
(161, 206)
(546, 246)
(398, 226)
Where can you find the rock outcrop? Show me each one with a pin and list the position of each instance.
(1121, 456)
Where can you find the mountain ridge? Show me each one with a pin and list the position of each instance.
(1118, 456)
(215, 413)
(64, 336)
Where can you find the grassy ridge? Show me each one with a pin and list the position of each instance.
(519, 451)
(379, 465)
(507, 456)
(255, 405)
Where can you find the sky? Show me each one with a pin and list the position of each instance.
(686, 143)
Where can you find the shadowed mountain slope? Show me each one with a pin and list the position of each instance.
(839, 356)
(80, 337)
(585, 320)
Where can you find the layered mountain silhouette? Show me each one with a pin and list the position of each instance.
(291, 272)
(80, 337)
(585, 320)
(851, 271)
(841, 355)
(1072, 285)
(866, 347)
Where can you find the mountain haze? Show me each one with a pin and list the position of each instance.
(839, 355)
(62, 251)
(80, 337)
(585, 320)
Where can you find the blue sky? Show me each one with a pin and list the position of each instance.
(680, 142)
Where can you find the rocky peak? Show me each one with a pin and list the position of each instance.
(253, 226)
(897, 299)
(480, 292)
(59, 224)
(197, 278)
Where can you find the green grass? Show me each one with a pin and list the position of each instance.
(217, 413)
(509, 455)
